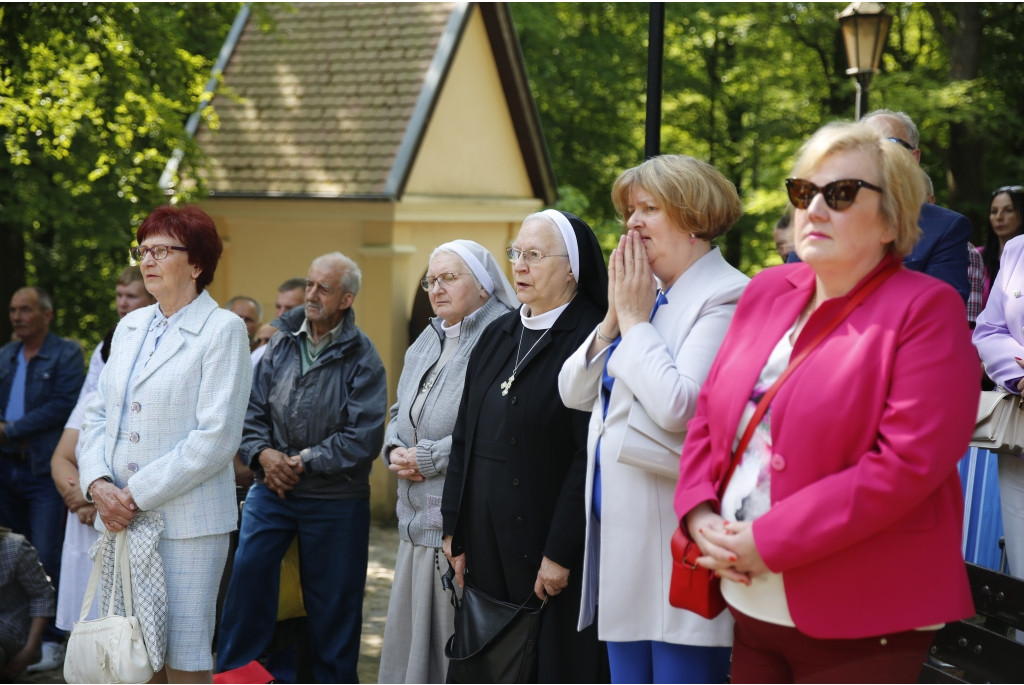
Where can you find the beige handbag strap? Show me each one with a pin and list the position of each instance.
(122, 568)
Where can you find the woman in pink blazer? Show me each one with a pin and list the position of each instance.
(838, 535)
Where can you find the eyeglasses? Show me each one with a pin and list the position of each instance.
(839, 195)
(900, 141)
(1008, 189)
(532, 257)
(444, 280)
(158, 252)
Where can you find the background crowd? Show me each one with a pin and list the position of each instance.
(549, 435)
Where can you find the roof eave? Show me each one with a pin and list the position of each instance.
(433, 83)
(277, 195)
(192, 125)
(508, 56)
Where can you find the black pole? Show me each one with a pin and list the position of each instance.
(863, 80)
(655, 51)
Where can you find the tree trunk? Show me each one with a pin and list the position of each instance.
(965, 157)
(12, 271)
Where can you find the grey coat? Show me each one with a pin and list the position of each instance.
(419, 503)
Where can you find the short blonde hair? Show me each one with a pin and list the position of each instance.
(694, 194)
(903, 186)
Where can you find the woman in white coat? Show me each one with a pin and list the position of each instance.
(167, 422)
(639, 374)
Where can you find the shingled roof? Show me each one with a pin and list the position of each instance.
(335, 99)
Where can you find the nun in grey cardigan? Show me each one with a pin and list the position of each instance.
(417, 443)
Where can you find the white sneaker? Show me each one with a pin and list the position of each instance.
(52, 657)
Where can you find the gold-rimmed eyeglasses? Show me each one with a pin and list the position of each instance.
(531, 257)
(442, 280)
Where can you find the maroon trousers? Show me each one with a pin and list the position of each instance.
(769, 653)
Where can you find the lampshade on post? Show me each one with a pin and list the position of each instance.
(865, 27)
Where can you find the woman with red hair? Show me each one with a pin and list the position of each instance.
(166, 423)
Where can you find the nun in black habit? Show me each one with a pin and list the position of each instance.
(513, 503)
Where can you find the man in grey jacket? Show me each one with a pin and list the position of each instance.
(314, 425)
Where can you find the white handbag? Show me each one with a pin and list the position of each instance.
(110, 649)
(648, 446)
(1000, 424)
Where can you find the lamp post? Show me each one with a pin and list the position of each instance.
(865, 27)
(655, 51)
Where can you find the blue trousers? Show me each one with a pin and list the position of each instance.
(31, 506)
(648, 661)
(334, 538)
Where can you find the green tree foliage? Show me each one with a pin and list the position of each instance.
(746, 83)
(93, 100)
(94, 97)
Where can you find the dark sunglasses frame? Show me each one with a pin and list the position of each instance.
(900, 141)
(839, 195)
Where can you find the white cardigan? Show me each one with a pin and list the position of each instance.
(191, 398)
(658, 367)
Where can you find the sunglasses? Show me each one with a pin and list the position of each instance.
(1008, 189)
(838, 195)
(900, 141)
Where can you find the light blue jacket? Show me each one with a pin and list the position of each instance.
(191, 401)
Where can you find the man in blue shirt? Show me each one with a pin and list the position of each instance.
(40, 376)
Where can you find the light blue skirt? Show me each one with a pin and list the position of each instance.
(192, 570)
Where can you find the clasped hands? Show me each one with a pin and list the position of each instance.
(402, 462)
(6, 441)
(728, 547)
(551, 577)
(632, 289)
(115, 505)
(281, 472)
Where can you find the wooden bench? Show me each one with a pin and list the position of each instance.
(982, 649)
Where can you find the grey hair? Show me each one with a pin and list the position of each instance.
(239, 298)
(43, 298)
(351, 276)
(292, 284)
(913, 136)
(929, 186)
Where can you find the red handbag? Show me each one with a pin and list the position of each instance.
(694, 587)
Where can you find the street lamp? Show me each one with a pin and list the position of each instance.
(865, 27)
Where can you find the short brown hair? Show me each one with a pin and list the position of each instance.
(130, 274)
(694, 194)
